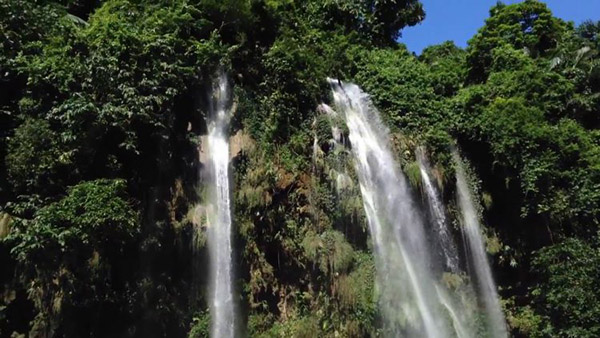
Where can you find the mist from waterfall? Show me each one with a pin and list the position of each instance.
(222, 305)
(482, 273)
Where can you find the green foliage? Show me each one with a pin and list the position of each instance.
(357, 290)
(543, 153)
(447, 65)
(323, 130)
(528, 25)
(113, 82)
(200, 326)
(259, 323)
(69, 252)
(330, 251)
(413, 173)
(399, 86)
(295, 67)
(35, 158)
(93, 213)
(590, 30)
(379, 21)
(526, 322)
(24, 23)
(566, 294)
(303, 327)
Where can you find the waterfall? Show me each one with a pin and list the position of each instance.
(436, 209)
(485, 285)
(407, 291)
(222, 305)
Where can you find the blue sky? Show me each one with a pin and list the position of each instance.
(459, 20)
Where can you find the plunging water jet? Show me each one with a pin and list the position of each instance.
(482, 273)
(222, 304)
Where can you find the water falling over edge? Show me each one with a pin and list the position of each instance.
(484, 281)
(222, 303)
(408, 299)
(463, 297)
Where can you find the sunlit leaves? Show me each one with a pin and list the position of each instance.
(566, 293)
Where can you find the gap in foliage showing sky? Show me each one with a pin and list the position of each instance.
(459, 20)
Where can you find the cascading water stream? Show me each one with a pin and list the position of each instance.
(408, 298)
(436, 208)
(486, 287)
(462, 319)
(222, 303)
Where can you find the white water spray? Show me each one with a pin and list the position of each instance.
(485, 285)
(222, 303)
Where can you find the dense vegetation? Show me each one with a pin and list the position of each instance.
(102, 102)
